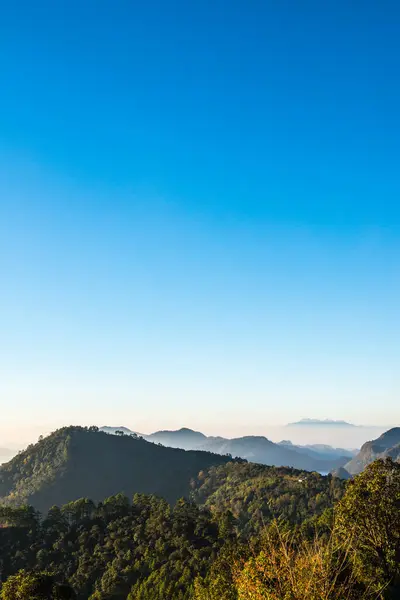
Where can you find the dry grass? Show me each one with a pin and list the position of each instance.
(305, 570)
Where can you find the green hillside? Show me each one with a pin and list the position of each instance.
(76, 462)
(256, 494)
(148, 549)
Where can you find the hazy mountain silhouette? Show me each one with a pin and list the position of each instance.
(261, 450)
(320, 451)
(184, 438)
(253, 448)
(317, 422)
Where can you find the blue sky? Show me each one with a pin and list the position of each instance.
(199, 213)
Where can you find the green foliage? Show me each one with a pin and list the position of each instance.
(23, 477)
(369, 515)
(115, 549)
(150, 549)
(256, 494)
(290, 567)
(23, 516)
(219, 584)
(35, 586)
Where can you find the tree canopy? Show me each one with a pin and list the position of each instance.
(369, 516)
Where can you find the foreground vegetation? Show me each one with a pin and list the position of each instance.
(344, 546)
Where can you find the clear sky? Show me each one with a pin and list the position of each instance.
(199, 213)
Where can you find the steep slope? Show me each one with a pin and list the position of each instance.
(386, 445)
(341, 473)
(76, 462)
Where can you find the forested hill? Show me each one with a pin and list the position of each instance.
(76, 462)
(256, 494)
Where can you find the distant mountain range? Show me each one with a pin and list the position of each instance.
(386, 445)
(318, 422)
(258, 449)
(323, 458)
(320, 451)
(76, 462)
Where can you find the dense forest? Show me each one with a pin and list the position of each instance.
(256, 494)
(243, 532)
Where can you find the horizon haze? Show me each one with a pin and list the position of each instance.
(347, 437)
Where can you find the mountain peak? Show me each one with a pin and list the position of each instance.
(190, 431)
(386, 445)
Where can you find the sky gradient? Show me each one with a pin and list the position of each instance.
(199, 214)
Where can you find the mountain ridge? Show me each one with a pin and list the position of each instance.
(386, 445)
(254, 448)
